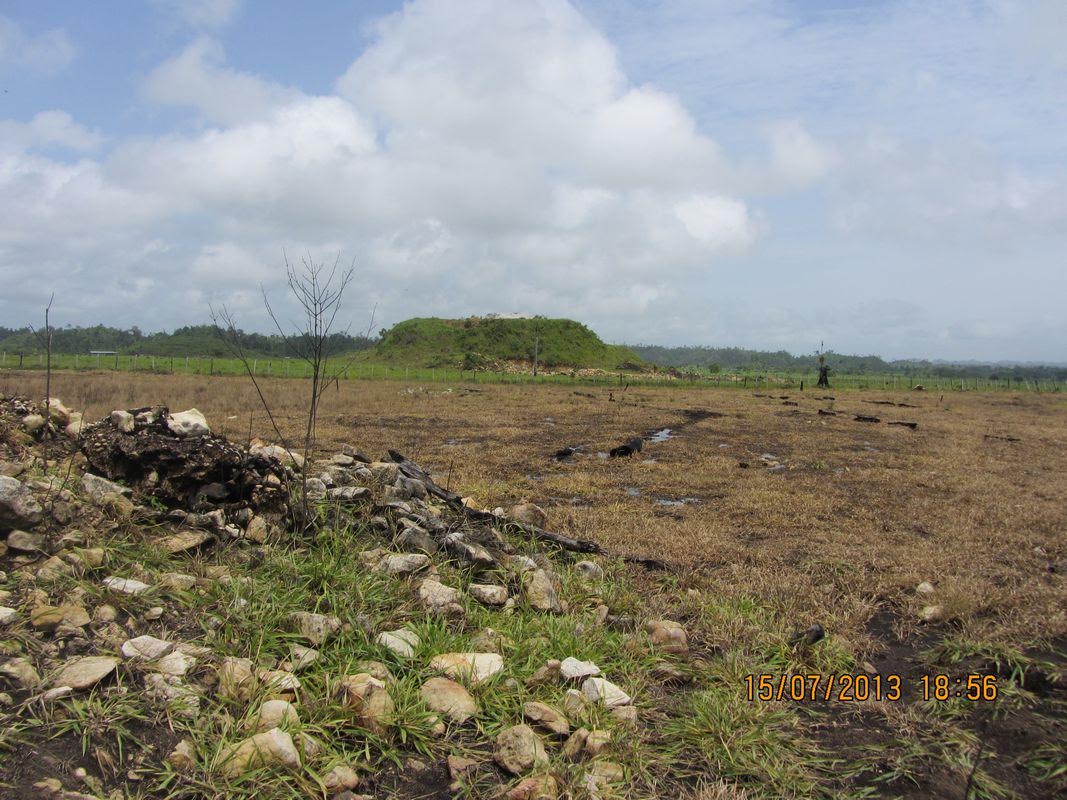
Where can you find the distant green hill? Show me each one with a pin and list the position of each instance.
(477, 343)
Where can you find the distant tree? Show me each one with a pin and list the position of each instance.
(319, 291)
(824, 370)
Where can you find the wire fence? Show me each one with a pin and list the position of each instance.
(293, 368)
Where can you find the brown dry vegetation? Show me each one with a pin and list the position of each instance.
(862, 513)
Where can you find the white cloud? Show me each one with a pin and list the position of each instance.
(197, 77)
(210, 14)
(47, 53)
(796, 156)
(503, 158)
(47, 129)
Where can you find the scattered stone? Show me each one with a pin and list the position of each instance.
(235, 679)
(84, 672)
(54, 567)
(340, 777)
(48, 618)
(101, 489)
(402, 642)
(257, 529)
(604, 691)
(529, 514)
(925, 588)
(348, 494)
(415, 540)
(488, 593)
(183, 756)
(575, 744)
(369, 700)
(177, 581)
(169, 689)
(668, 636)
(18, 507)
(589, 570)
(290, 458)
(273, 748)
(437, 598)
(185, 540)
(625, 715)
(547, 717)
(574, 703)
(402, 564)
(384, 471)
(471, 667)
(538, 787)
(74, 427)
(188, 423)
(176, 664)
(490, 641)
(300, 656)
(518, 749)
(601, 772)
(125, 585)
(540, 591)
(549, 673)
(57, 411)
(154, 613)
(932, 613)
(458, 767)
(8, 615)
(122, 420)
(571, 668)
(32, 423)
(26, 542)
(316, 628)
(279, 684)
(274, 714)
(596, 741)
(449, 698)
(146, 648)
(377, 670)
(21, 671)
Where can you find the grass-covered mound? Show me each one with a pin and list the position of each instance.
(476, 342)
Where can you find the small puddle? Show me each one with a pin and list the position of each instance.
(669, 501)
(661, 436)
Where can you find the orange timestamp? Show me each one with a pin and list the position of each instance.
(861, 688)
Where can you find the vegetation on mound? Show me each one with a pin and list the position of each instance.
(477, 343)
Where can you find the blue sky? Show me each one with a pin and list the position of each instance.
(888, 177)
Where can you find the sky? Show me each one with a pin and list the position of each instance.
(885, 177)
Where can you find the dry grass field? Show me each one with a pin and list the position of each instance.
(771, 517)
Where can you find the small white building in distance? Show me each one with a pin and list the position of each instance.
(517, 315)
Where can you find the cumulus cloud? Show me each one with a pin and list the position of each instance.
(47, 53)
(208, 14)
(503, 158)
(197, 77)
(48, 129)
(500, 152)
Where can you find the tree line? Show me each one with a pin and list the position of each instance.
(716, 359)
(191, 340)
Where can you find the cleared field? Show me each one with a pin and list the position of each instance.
(771, 517)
